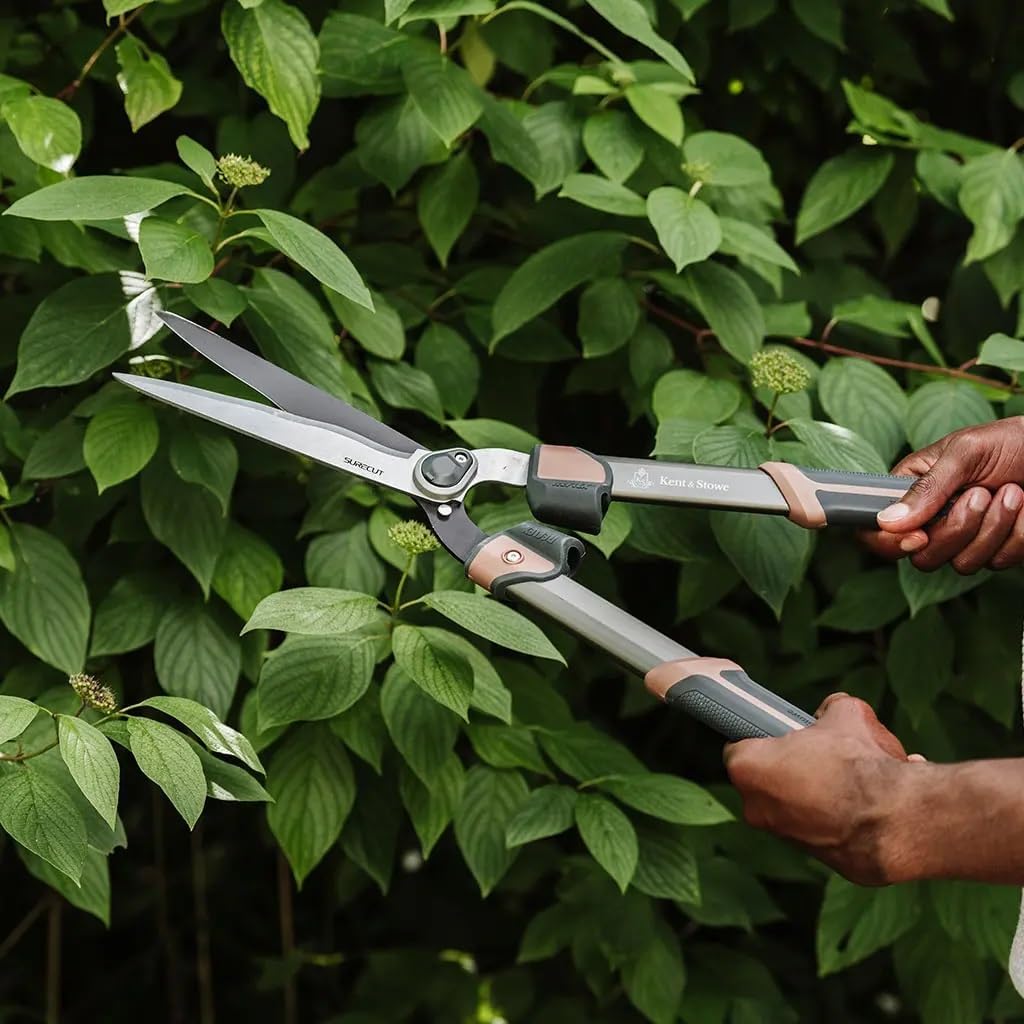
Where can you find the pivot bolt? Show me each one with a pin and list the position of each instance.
(512, 557)
(461, 458)
(444, 511)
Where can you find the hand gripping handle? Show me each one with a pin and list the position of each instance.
(829, 497)
(719, 693)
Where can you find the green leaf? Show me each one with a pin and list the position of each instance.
(43, 602)
(600, 194)
(856, 922)
(422, 729)
(127, 617)
(666, 867)
(984, 916)
(668, 798)
(939, 7)
(631, 19)
(40, 814)
(81, 327)
(446, 203)
(719, 158)
(16, 715)
(226, 781)
(47, 131)
(840, 187)
(197, 159)
(859, 395)
(920, 662)
(293, 331)
(687, 228)
(821, 18)
(654, 979)
(446, 96)
(431, 808)
(395, 140)
(658, 110)
(345, 560)
(276, 54)
(865, 602)
(729, 306)
(92, 891)
(379, 330)
(939, 408)
(445, 676)
(247, 571)
(748, 241)
(185, 518)
(404, 387)
(769, 553)
(608, 316)
(945, 980)
(313, 611)
(694, 396)
(147, 82)
(312, 250)
(93, 764)
(547, 811)
(1003, 351)
(96, 197)
(923, 589)
(494, 621)
(314, 788)
(609, 836)
(506, 746)
(119, 442)
(218, 298)
(612, 141)
(196, 657)
(833, 447)
(174, 252)
(490, 799)
(311, 678)
(543, 278)
(483, 433)
(452, 364)
(992, 196)
(215, 735)
(165, 758)
(205, 456)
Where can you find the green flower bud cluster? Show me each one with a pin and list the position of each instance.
(413, 537)
(93, 693)
(241, 171)
(776, 369)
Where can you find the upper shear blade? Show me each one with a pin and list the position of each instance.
(325, 443)
(284, 389)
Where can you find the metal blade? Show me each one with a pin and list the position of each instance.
(284, 389)
(328, 444)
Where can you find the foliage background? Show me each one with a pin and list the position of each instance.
(568, 234)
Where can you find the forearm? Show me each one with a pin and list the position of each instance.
(960, 821)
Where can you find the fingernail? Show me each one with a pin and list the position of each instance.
(978, 500)
(913, 543)
(894, 513)
(917, 758)
(1012, 499)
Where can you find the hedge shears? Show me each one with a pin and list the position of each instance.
(565, 486)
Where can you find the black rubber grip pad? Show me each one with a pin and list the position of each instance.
(753, 712)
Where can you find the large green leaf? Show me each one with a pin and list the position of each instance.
(687, 228)
(992, 196)
(47, 130)
(719, 158)
(276, 54)
(443, 91)
(377, 326)
(313, 787)
(43, 602)
(423, 730)
(548, 811)
(447, 201)
(490, 799)
(631, 18)
(97, 197)
(173, 251)
(119, 442)
(165, 757)
(840, 187)
(92, 763)
(668, 798)
(859, 395)
(248, 570)
(314, 611)
(16, 715)
(729, 306)
(431, 808)
(421, 653)
(146, 79)
(612, 142)
(609, 836)
(939, 408)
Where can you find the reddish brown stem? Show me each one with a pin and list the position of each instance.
(121, 28)
(700, 333)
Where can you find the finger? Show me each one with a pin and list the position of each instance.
(893, 545)
(918, 463)
(829, 701)
(739, 748)
(947, 539)
(996, 527)
(854, 717)
(1012, 551)
(928, 495)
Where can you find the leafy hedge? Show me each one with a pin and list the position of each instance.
(484, 223)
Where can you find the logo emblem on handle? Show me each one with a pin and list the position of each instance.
(641, 479)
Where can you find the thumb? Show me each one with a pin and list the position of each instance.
(926, 497)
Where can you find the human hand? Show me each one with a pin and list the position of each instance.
(834, 788)
(985, 525)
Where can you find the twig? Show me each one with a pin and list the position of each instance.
(14, 936)
(286, 917)
(204, 959)
(837, 350)
(121, 28)
(53, 930)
